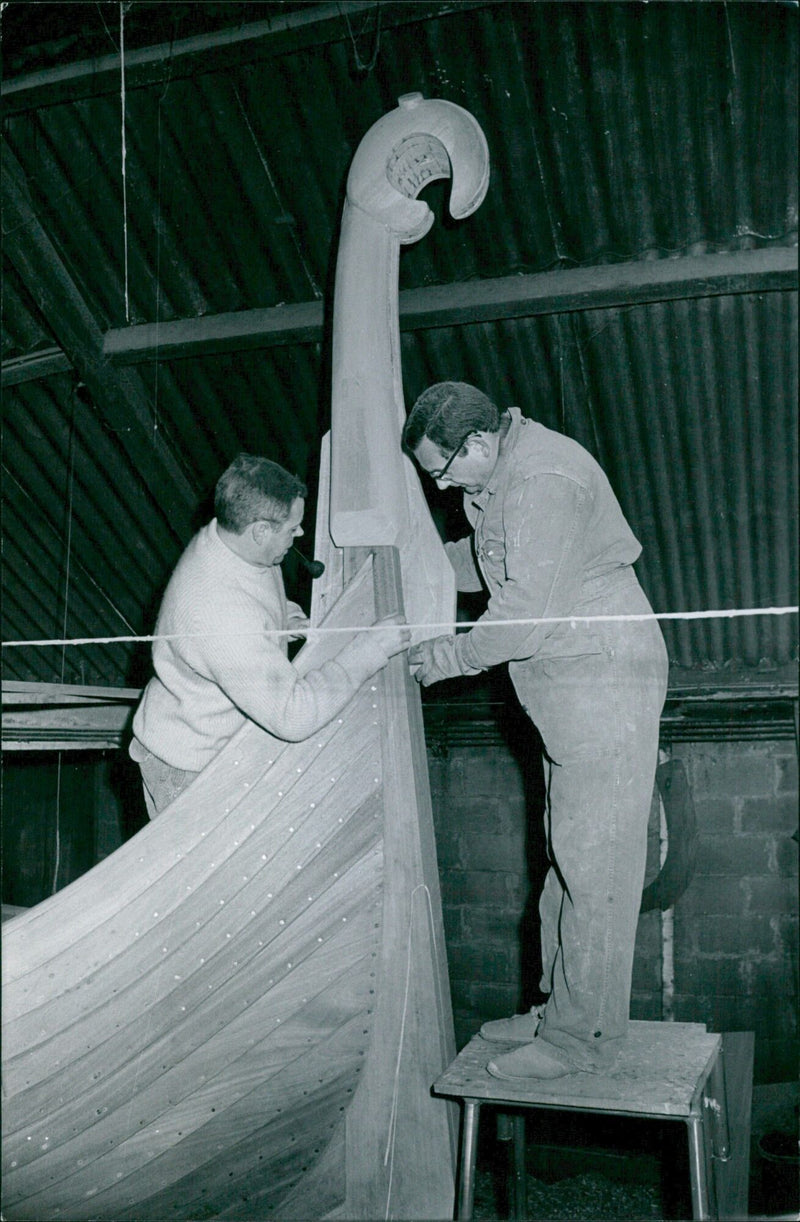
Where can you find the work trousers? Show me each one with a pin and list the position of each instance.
(161, 783)
(598, 713)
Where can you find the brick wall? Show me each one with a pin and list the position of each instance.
(735, 926)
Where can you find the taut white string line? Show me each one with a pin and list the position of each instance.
(439, 628)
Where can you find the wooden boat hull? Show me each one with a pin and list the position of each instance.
(186, 1026)
(241, 1012)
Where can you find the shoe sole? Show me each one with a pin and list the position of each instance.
(526, 1079)
(509, 1039)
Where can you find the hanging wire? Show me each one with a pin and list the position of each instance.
(64, 621)
(8, 474)
(159, 226)
(122, 8)
(159, 230)
(361, 65)
(68, 532)
(105, 26)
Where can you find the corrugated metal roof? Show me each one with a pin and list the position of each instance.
(663, 395)
(617, 132)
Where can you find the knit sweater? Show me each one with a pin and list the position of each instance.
(215, 664)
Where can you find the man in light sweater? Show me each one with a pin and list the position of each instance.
(215, 662)
(549, 542)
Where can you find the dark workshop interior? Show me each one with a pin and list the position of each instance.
(173, 178)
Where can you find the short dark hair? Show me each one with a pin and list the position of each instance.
(254, 489)
(445, 412)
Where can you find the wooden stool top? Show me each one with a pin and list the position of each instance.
(661, 1071)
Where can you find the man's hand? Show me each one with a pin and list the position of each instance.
(298, 622)
(438, 658)
(428, 660)
(393, 636)
(368, 651)
(300, 628)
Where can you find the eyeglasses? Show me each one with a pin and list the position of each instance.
(445, 468)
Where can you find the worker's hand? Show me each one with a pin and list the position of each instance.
(426, 658)
(299, 628)
(298, 622)
(391, 634)
(368, 651)
(438, 658)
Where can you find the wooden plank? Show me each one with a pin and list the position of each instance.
(234, 1083)
(608, 286)
(95, 727)
(732, 1178)
(324, 1188)
(400, 1141)
(212, 807)
(327, 587)
(22, 691)
(65, 717)
(303, 818)
(53, 740)
(221, 1039)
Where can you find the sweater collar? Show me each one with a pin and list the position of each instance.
(237, 562)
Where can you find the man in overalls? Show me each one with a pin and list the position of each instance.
(550, 542)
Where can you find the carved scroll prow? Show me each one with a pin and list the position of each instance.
(410, 147)
(399, 1145)
(375, 496)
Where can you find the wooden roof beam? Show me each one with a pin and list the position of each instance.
(310, 25)
(587, 288)
(33, 365)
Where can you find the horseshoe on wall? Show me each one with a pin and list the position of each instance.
(676, 873)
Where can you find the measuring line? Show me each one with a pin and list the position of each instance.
(732, 613)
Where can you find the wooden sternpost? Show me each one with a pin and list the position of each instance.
(375, 503)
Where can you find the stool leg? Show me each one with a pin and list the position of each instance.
(697, 1169)
(511, 1128)
(519, 1180)
(716, 1103)
(469, 1146)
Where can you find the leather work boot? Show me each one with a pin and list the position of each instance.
(520, 1029)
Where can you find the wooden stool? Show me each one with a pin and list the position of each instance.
(665, 1070)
